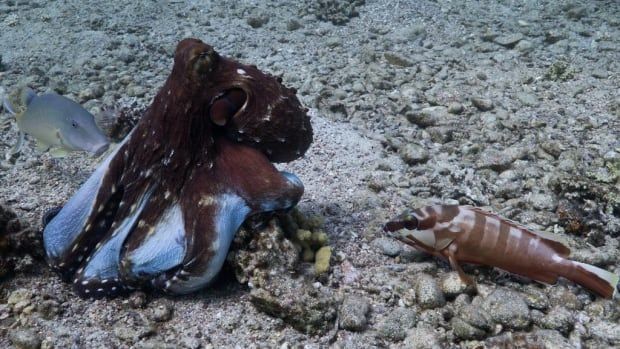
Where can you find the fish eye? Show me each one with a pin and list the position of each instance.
(74, 124)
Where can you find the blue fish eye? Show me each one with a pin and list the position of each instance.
(74, 124)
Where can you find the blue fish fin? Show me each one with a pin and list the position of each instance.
(18, 144)
(8, 106)
(28, 95)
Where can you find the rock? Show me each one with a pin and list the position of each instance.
(153, 343)
(525, 46)
(292, 25)
(429, 116)
(267, 262)
(137, 300)
(547, 339)
(508, 308)
(606, 309)
(86, 94)
(161, 313)
(558, 319)
(388, 246)
(600, 74)
(482, 104)
(536, 298)
(257, 20)
(553, 36)
(428, 293)
(509, 40)
(474, 315)
(413, 154)
(48, 308)
(19, 296)
(606, 331)
(25, 339)
(452, 285)
(133, 332)
(455, 108)
(336, 11)
(495, 160)
(542, 201)
(397, 60)
(560, 296)
(527, 99)
(297, 302)
(353, 313)
(422, 337)
(463, 330)
(395, 326)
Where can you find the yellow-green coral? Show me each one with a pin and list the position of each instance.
(307, 234)
(321, 262)
(310, 242)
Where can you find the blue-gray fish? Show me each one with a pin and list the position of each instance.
(56, 122)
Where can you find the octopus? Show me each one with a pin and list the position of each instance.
(161, 210)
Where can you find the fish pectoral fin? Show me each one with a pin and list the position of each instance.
(42, 147)
(59, 152)
(450, 252)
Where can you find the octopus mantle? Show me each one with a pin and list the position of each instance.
(163, 209)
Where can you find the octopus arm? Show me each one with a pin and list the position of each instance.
(215, 202)
(100, 275)
(68, 236)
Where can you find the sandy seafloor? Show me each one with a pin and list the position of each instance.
(509, 105)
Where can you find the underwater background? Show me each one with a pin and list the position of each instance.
(513, 106)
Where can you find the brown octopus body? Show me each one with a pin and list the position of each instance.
(163, 209)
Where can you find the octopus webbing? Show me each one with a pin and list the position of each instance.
(162, 209)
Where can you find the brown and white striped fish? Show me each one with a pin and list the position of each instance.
(465, 234)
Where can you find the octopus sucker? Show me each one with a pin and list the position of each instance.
(162, 210)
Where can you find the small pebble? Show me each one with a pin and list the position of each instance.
(394, 327)
(508, 308)
(428, 292)
(558, 319)
(463, 330)
(606, 331)
(452, 285)
(388, 246)
(482, 104)
(353, 313)
(25, 339)
(423, 337)
(161, 313)
(413, 154)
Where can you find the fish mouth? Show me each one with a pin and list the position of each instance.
(101, 149)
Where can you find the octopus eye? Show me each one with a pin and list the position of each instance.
(412, 223)
(205, 62)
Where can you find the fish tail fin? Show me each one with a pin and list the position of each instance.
(598, 280)
(22, 97)
(8, 106)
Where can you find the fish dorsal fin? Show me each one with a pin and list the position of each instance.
(17, 101)
(555, 241)
(27, 95)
